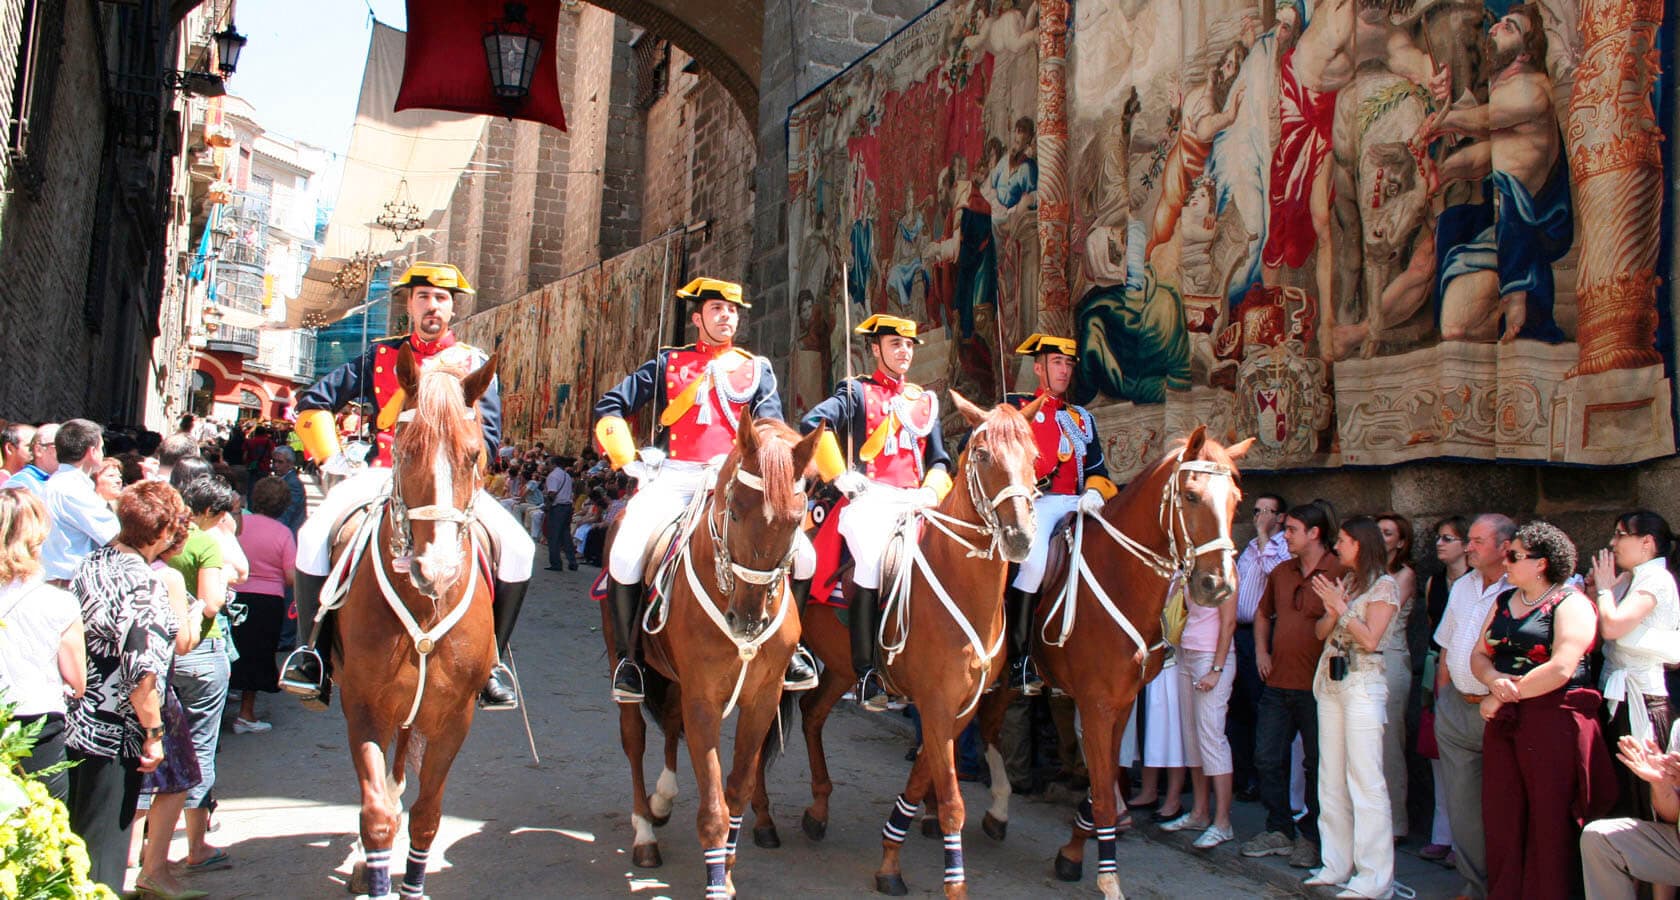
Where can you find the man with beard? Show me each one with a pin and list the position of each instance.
(1206, 113)
(1520, 153)
(1298, 202)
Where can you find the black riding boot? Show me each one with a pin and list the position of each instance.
(499, 691)
(865, 613)
(801, 670)
(1019, 605)
(626, 600)
(306, 670)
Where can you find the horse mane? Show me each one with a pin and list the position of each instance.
(775, 467)
(1135, 486)
(438, 424)
(1009, 435)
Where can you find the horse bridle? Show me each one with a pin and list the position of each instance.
(990, 525)
(727, 568)
(401, 543)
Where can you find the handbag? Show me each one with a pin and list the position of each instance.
(1427, 747)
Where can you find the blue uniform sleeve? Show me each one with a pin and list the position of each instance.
(767, 403)
(839, 412)
(636, 390)
(1095, 464)
(490, 416)
(934, 455)
(341, 386)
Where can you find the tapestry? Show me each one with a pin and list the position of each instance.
(560, 347)
(1362, 231)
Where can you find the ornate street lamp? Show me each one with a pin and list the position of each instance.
(511, 49)
(229, 43)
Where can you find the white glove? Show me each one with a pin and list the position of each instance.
(1091, 502)
(850, 482)
(339, 464)
(925, 498)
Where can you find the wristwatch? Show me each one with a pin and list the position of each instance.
(154, 733)
(1218, 668)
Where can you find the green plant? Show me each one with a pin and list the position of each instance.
(40, 857)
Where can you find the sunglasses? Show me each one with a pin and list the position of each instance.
(1447, 539)
(1259, 510)
(1512, 556)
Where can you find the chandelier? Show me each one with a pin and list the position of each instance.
(314, 319)
(401, 215)
(353, 275)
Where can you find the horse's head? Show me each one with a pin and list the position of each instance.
(756, 514)
(434, 462)
(997, 470)
(1206, 496)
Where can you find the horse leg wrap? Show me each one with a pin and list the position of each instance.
(1108, 839)
(734, 834)
(1082, 817)
(717, 884)
(378, 872)
(414, 877)
(953, 858)
(898, 823)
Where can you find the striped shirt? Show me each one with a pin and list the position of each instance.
(1255, 563)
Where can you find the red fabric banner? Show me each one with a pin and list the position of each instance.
(444, 65)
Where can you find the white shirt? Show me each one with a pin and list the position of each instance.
(34, 616)
(560, 485)
(1255, 563)
(1643, 672)
(81, 522)
(1468, 604)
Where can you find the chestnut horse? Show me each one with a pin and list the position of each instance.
(414, 643)
(1171, 521)
(721, 641)
(943, 641)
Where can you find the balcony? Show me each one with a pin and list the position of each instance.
(243, 341)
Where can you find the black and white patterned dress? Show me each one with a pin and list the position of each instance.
(130, 633)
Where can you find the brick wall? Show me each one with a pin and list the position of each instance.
(587, 121)
(722, 191)
(670, 131)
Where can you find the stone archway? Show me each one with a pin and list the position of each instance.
(724, 36)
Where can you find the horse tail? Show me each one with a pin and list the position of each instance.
(658, 696)
(406, 752)
(787, 722)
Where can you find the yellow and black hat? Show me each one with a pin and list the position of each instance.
(882, 325)
(702, 289)
(440, 275)
(1046, 343)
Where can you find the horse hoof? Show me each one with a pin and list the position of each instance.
(357, 883)
(814, 828)
(996, 829)
(1069, 870)
(659, 821)
(891, 885)
(767, 837)
(646, 856)
(930, 827)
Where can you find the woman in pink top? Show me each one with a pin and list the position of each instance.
(1204, 682)
(272, 551)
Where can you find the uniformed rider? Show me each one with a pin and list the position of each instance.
(898, 464)
(1071, 475)
(429, 291)
(700, 393)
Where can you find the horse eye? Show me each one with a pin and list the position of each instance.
(1192, 496)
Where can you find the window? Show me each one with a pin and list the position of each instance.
(653, 67)
(34, 81)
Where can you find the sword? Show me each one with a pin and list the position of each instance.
(659, 336)
(519, 694)
(846, 303)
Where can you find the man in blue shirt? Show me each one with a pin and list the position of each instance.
(81, 521)
(43, 461)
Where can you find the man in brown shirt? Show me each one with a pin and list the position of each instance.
(1286, 649)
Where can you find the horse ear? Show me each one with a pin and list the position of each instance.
(806, 450)
(1240, 449)
(408, 371)
(1031, 409)
(974, 415)
(1193, 444)
(746, 438)
(474, 385)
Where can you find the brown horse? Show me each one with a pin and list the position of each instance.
(721, 642)
(413, 649)
(1172, 521)
(943, 660)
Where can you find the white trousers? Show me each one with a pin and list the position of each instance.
(1355, 832)
(515, 550)
(1049, 508)
(1440, 831)
(867, 523)
(1203, 720)
(660, 501)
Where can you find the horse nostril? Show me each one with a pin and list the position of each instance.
(729, 617)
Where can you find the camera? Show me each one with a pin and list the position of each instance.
(1338, 668)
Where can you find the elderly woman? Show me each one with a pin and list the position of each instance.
(272, 552)
(1397, 663)
(115, 731)
(43, 658)
(110, 482)
(1639, 619)
(1544, 768)
(1360, 612)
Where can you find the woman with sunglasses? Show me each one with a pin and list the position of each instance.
(1544, 765)
(1638, 613)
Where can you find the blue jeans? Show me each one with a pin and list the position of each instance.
(1241, 720)
(1283, 714)
(557, 529)
(200, 680)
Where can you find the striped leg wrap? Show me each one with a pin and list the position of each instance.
(1108, 838)
(898, 824)
(378, 872)
(953, 858)
(414, 877)
(716, 873)
(1082, 818)
(734, 834)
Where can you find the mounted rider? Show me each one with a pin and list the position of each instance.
(700, 393)
(429, 291)
(892, 428)
(1072, 475)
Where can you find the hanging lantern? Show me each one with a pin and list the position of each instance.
(511, 49)
(229, 44)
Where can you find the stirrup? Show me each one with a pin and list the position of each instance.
(1025, 678)
(292, 681)
(876, 700)
(800, 656)
(505, 680)
(622, 691)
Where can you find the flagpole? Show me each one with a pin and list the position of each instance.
(659, 336)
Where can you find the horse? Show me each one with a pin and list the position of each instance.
(952, 652)
(1172, 522)
(414, 642)
(736, 639)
